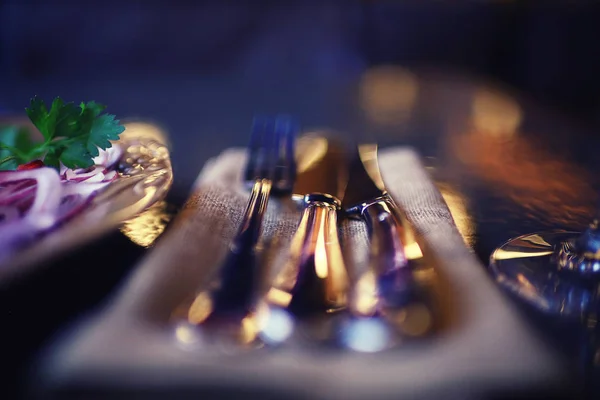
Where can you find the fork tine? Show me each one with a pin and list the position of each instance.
(285, 168)
(268, 159)
(280, 132)
(269, 149)
(256, 132)
(256, 166)
(290, 154)
(254, 147)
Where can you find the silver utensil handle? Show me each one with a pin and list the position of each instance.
(239, 273)
(314, 278)
(395, 281)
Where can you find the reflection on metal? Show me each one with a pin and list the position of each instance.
(146, 174)
(187, 335)
(584, 264)
(266, 324)
(376, 326)
(274, 325)
(502, 254)
(413, 320)
(321, 166)
(413, 251)
(144, 229)
(279, 297)
(310, 149)
(389, 295)
(248, 330)
(314, 276)
(456, 203)
(366, 335)
(388, 94)
(268, 319)
(537, 240)
(200, 308)
(535, 278)
(495, 113)
(321, 256)
(368, 156)
(364, 301)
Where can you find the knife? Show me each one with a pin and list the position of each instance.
(388, 288)
(269, 323)
(313, 279)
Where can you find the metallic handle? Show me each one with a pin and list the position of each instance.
(395, 283)
(234, 296)
(386, 254)
(314, 278)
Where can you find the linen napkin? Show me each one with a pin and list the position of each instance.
(198, 241)
(488, 350)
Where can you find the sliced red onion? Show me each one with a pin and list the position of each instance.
(63, 171)
(102, 157)
(35, 200)
(47, 180)
(110, 176)
(71, 205)
(18, 184)
(13, 191)
(75, 197)
(8, 214)
(80, 175)
(114, 156)
(109, 157)
(98, 177)
(25, 200)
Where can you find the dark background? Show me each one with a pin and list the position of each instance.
(201, 69)
(546, 48)
(214, 64)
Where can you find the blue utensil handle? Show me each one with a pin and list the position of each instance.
(314, 279)
(395, 282)
(239, 273)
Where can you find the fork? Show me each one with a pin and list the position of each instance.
(270, 168)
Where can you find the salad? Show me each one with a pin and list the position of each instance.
(45, 183)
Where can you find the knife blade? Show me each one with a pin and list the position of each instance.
(388, 287)
(313, 279)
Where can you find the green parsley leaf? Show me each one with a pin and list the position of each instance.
(76, 156)
(8, 164)
(96, 108)
(43, 119)
(104, 128)
(51, 159)
(72, 135)
(15, 143)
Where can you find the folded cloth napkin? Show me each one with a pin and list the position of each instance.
(198, 240)
(488, 350)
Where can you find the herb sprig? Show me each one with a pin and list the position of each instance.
(72, 135)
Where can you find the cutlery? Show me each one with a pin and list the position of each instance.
(313, 279)
(270, 169)
(388, 290)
